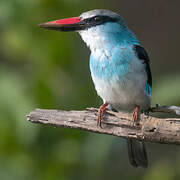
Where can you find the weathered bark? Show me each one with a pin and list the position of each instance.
(151, 129)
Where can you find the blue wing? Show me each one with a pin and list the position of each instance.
(143, 56)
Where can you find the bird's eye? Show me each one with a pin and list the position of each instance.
(97, 18)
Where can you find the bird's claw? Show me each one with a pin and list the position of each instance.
(135, 116)
(101, 114)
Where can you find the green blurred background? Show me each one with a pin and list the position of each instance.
(46, 69)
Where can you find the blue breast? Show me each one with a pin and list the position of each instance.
(113, 65)
(116, 53)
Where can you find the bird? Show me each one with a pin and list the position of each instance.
(119, 66)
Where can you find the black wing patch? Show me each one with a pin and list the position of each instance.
(142, 55)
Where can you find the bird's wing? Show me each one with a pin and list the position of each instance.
(143, 56)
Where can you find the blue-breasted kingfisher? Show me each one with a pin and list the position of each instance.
(119, 67)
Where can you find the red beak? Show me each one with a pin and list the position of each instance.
(68, 24)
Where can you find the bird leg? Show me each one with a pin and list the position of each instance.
(101, 113)
(136, 114)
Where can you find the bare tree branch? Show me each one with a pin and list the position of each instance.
(151, 129)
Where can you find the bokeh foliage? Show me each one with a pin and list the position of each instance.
(45, 69)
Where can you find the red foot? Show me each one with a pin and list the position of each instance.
(136, 114)
(101, 113)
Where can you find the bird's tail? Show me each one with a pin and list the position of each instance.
(137, 153)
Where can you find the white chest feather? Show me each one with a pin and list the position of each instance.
(126, 92)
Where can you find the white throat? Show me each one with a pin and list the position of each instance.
(93, 39)
(96, 41)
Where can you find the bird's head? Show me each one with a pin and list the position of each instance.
(96, 27)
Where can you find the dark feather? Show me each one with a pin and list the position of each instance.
(137, 153)
(142, 55)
